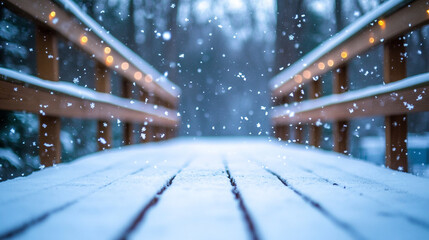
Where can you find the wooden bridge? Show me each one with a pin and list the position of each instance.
(216, 188)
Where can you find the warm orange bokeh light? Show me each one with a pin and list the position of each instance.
(427, 11)
(138, 75)
(83, 40)
(109, 60)
(148, 78)
(382, 23)
(107, 50)
(371, 40)
(125, 66)
(306, 74)
(321, 66)
(344, 54)
(330, 62)
(52, 15)
(297, 78)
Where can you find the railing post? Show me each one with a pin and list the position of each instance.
(127, 88)
(282, 130)
(157, 130)
(315, 131)
(47, 68)
(340, 128)
(395, 69)
(299, 131)
(150, 131)
(104, 129)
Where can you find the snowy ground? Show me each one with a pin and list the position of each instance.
(215, 188)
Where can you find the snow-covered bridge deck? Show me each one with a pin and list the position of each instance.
(220, 188)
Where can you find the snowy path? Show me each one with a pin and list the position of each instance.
(215, 188)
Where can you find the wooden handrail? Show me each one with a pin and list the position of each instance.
(401, 97)
(78, 28)
(52, 100)
(22, 92)
(394, 100)
(397, 16)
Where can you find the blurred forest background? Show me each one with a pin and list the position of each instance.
(222, 54)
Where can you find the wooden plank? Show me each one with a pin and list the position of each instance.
(71, 29)
(395, 69)
(340, 128)
(406, 19)
(344, 204)
(315, 131)
(278, 212)
(114, 191)
(101, 195)
(211, 212)
(104, 127)
(383, 100)
(370, 182)
(49, 126)
(128, 126)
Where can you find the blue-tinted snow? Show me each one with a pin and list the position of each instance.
(107, 190)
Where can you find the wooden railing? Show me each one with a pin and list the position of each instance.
(44, 95)
(397, 97)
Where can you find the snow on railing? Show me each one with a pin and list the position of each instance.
(51, 99)
(398, 97)
(115, 44)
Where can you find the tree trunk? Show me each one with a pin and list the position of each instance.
(286, 26)
(339, 15)
(131, 26)
(171, 44)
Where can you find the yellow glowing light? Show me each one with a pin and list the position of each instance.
(138, 75)
(297, 78)
(107, 50)
(321, 66)
(52, 15)
(330, 62)
(125, 66)
(148, 78)
(371, 40)
(109, 60)
(306, 74)
(344, 54)
(83, 40)
(427, 11)
(382, 23)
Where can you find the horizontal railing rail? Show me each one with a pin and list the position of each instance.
(22, 92)
(397, 97)
(155, 113)
(401, 97)
(66, 19)
(390, 20)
